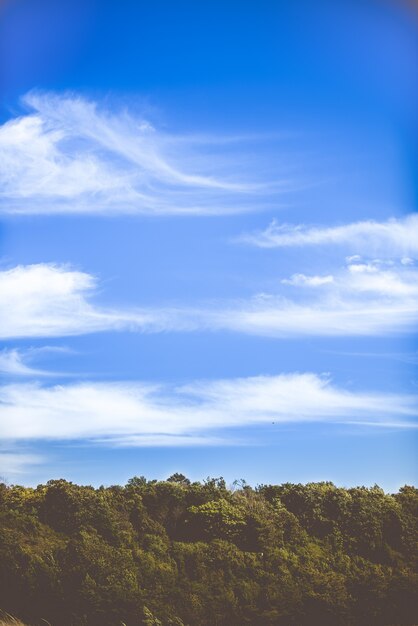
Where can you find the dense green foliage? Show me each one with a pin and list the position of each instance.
(180, 553)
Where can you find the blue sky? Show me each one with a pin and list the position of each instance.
(209, 241)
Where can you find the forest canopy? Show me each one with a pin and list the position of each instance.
(182, 553)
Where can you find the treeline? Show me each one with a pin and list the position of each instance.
(176, 553)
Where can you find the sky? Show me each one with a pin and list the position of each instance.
(209, 241)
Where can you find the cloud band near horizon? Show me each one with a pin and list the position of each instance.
(137, 413)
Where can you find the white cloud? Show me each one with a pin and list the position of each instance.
(12, 362)
(396, 283)
(364, 299)
(164, 441)
(152, 414)
(359, 300)
(327, 318)
(308, 281)
(68, 155)
(372, 277)
(16, 463)
(396, 237)
(16, 362)
(47, 300)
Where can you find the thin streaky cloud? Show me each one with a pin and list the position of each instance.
(395, 237)
(410, 358)
(12, 362)
(370, 299)
(16, 361)
(69, 155)
(164, 441)
(359, 300)
(308, 281)
(15, 463)
(155, 414)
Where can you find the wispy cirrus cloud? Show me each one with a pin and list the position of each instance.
(362, 299)
(393, 238)
(384, 278)
(13, 362)
(201, 412)
(17, 361)
(70, 155)
(370, 298)
(14, 463)
(301, 280)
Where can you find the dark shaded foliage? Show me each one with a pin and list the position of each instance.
(180, 553)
